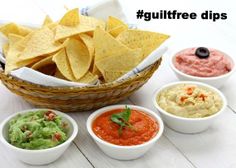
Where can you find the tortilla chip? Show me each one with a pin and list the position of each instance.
(47, 21)
(87, 24)
(88, 41)
(146, 40)
(5, 49)
(88, 78)
(115, 66)
(15, 65)
(110, 76)
(79, 57)
(19, 43)
(63, 65)
(71, 18)
(12, 28)
(12, 63)
(96, 71)
(107, 46)
(52, 26)
(65, 31)
(15, 48)
(45, 65)
(117, 30)
(92, 22)
(40, 43)
(12, 38)
(114, 22)
(115, 26)
(43, 62)
(125, 62)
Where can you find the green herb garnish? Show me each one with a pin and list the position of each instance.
(122, 119)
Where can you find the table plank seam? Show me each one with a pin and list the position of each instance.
(83, 154)
(180, 152)
(231, 109)
(172, 143)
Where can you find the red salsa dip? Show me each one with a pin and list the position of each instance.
(144, 128)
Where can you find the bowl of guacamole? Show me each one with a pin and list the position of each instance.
(38, 136)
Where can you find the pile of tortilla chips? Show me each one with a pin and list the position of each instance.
(78, 48)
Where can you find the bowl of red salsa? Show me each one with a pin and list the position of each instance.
(125, 132)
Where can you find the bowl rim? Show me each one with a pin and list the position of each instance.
(100, 111)
(63, 115)
(171, 62)
(162, 111)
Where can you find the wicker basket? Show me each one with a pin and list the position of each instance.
(74, 99)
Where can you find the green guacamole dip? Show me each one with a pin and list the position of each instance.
(37, 130)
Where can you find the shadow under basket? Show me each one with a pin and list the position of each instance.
(75, 99)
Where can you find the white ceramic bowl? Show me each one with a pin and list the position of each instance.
(124, 152)
(42, 156)
(188, 125)
(217, 81)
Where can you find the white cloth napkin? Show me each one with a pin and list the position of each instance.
(104, 9)
(33, 76)
(100, 10)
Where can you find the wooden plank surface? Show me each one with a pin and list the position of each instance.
(212, 148)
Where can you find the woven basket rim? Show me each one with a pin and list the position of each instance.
(105, 85)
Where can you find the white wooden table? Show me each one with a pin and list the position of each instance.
(214, 148)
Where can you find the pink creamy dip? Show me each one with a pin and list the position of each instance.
(215, 65)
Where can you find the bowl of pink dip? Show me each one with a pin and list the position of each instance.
(202, 64)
